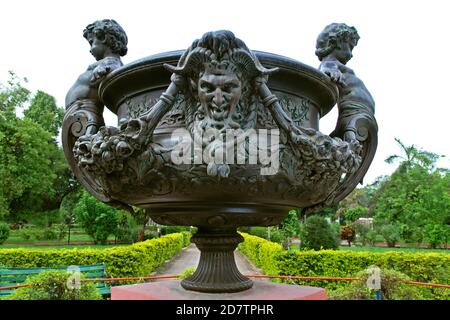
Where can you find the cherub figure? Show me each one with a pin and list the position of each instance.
(108, 43)
(334, 48)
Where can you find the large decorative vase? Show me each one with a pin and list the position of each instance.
(218, 137)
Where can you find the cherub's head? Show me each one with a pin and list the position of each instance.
(110, 33)
(334, 37)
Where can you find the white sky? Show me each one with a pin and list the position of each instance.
(402, 55)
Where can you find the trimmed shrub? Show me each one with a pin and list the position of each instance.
(52, 285)
(4, 232)
(187, 272)
(46, 234)
(25, 234)
(362, 231)
(134, 260)
(347, 233)
(318, 234)
(273, 260)
(391, 233)
(186, 238)
(372, 237)
(391, 288)
(258, 231)
(98, 219)
(261, 252)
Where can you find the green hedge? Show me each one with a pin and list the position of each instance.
(273, 260)
(135, 260)
(186, 238)
(261, 252)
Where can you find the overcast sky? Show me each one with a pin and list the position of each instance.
(402, 56)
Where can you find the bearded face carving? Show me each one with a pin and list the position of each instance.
(221, 73)
(219, 92)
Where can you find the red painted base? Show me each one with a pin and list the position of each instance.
(172, 290)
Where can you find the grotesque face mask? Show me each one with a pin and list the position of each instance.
(219, 92)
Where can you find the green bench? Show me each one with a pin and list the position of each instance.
(16, 276)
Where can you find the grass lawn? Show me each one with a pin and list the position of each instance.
(381, 249)
(378, 249)
(76, 235)
(73, 237)
(75, 246)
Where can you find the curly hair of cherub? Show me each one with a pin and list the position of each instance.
(328, 39)
(110, 33)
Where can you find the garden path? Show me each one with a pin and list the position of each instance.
(189, 257)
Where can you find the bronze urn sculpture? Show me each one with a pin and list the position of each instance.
(218, 137)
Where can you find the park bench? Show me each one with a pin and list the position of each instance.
(10, 277)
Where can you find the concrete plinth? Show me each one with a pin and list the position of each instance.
(172, 290)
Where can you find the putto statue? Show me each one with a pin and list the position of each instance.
(108, 43)
(356, 106)
(84, 109)
(220, 136)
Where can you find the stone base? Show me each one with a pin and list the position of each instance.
(172, 290)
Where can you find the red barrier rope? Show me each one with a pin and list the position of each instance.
(129, 279)
(303, 277)
(348, 279)
(427, 284)
(15, 287)
(247, 275)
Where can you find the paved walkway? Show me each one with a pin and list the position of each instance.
(189, 257)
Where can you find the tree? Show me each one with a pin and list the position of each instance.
(143, 217)
(355, 205)
(411, 157)
(350, 215)
(374, 190)
(13, 96)
(290, 227)
(44, 112)
(126, 227)
(414, 199)
(26, 174)
(415, 195)
(347, 233)
(362, 230)
(97, 219)
(359, 197)
(353, 214)
(67, 211)
(437, 234)
(317, 234)
(33, 171)
(4, 232)
(390, 233)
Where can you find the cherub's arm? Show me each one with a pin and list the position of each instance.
(104, 67)
(331, 69)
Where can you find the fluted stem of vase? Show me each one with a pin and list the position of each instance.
(217, 271)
